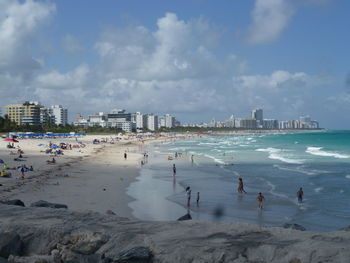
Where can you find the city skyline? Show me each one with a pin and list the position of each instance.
(192, 59)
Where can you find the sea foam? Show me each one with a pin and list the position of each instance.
(318, 151)
(276, 154)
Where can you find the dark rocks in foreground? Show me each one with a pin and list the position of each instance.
(44, 235)
(13, 202)
(294, 226)
(43, 203)
(185, 217)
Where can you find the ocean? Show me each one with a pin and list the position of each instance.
(276, 165)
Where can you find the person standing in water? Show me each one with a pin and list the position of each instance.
(240, 186)
(197, 198)
(188, 193)
(125, 155)
(192, 160)
(260, 199)
(300, 194)
(174, 169)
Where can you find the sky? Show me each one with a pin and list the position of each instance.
(194, 59)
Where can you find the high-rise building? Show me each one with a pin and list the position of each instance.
(248, 123)
(258, 115)
(141, 120)
(152, 122)
(27, 113)
(169, 121)
(161, 122)
(59, 113)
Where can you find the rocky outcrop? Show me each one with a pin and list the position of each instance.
(185, 217)
(43, 203)
(294, 226)
(59, 235)
(13, 202)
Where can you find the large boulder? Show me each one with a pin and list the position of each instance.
(10, 244)
(13, 202)
(294, 226)
(43, 203)
(88, 243)
(135, 255)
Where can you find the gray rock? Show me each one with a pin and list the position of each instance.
(68, 256)
(294, 226)
(135, 255)
(10, 243)
(13, 202)
(185, 217)
(33, 259)
(110, 212)
(43, 203)
(89, 243)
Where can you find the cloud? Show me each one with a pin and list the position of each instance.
(269, 19)
(19, 23)
(71, 45)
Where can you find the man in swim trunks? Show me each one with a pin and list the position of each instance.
(240, 186)
(260, 199)
(300, 194)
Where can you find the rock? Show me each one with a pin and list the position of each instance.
(110, 212)
(10, 243)
(3, 260)
(185, 217)
(294, 226)
(295, 260)
(68, 256)
(13, 202)
(135, 255)
(89, 243)
(43, 203)
(33, 259)
(345, 228)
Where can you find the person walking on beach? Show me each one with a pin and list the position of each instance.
(188, 193)
(174, 169)
(125, 155)
(260, 199)
(197, 198)
(240, 186)
(300, 194)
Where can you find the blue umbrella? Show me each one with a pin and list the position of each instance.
(54, 147)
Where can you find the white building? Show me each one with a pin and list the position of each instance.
(59, 113)
(258, 115)
(140, 120)
(152, 122)
(161, 122)
(169, 121)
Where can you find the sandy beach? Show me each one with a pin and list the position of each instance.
(94, 177)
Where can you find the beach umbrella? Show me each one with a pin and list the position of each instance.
(10, 140)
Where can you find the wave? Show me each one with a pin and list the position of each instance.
(298, 169)
(275, 154)
(215, 159)
(318, 151)
(318, 189)
(347, 176)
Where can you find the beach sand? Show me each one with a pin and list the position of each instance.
(94, 178)
(91, 178)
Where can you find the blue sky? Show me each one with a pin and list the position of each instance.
(196, 59)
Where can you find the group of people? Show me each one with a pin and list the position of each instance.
(261, 198)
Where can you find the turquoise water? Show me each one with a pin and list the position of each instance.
(275, 164)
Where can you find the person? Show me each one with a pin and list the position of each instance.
(125, 156)
(188, 193)
(174, 169)
(22, 172)
(31, 168)
(240, 186)
(260, 199)
(52, 161)
(192, 158)
(175, 154)
(300, 194)
(197, 198)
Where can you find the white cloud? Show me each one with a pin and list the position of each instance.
(72, 45)
(270, 18)
(18, 25)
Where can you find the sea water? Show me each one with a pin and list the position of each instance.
(275, 164)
